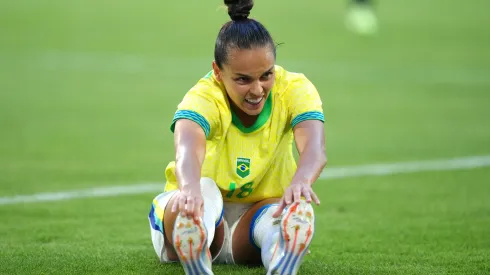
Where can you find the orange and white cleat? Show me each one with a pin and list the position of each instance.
(190, 243)
(297, 228)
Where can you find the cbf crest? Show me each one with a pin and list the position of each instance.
(243, 167)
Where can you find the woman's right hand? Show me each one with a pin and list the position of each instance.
(189, 202)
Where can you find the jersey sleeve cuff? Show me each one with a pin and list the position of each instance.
(194, 116)
(312, 115)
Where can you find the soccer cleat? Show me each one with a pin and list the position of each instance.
(297, 227)
(190, 243)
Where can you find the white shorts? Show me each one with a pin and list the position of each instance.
(232, 214)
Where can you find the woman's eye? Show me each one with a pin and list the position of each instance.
(241, 79)
(267, 75)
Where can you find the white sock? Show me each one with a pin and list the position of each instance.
(268, 247)
(213, 207)
(265, 231)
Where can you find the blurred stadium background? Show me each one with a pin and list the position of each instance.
(88, 90)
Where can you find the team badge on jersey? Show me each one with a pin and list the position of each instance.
(243, 167)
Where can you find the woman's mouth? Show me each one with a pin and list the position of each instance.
(255, 101)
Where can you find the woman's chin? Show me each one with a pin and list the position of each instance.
(252, 109)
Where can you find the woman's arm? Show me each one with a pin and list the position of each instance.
(190, 149)
(310, 141)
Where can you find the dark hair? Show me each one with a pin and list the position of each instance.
(241, 32)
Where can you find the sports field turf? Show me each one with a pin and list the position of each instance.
(88, 89)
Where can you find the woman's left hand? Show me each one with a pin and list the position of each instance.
(294, 193)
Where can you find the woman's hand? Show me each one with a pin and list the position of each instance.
(189, 201)
(294, 193)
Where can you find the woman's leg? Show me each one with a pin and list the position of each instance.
(165, 234)
(244, 250)
(280, 244)
(169, 225)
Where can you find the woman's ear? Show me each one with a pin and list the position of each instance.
(217, 71)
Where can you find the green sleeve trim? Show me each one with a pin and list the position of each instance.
(194, 116)
(312, 115)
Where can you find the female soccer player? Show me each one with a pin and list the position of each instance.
(234, 193)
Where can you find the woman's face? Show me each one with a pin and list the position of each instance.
(248, 77)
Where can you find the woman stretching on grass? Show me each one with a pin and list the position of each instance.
(234, 193)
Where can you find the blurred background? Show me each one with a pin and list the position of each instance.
(88, 90)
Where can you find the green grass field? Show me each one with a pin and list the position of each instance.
(88, 89)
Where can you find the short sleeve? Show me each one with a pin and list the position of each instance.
(304, 102)
(199, 107)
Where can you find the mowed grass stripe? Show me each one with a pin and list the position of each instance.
(113, 62)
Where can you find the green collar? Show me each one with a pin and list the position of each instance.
(261, 120)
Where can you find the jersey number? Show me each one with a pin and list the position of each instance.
(245, 190)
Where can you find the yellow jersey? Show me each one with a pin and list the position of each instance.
(254, 163)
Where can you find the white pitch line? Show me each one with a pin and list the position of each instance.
(330, 173)
(110, 191)
(406, 167)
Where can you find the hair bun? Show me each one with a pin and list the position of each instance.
(239, 9)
